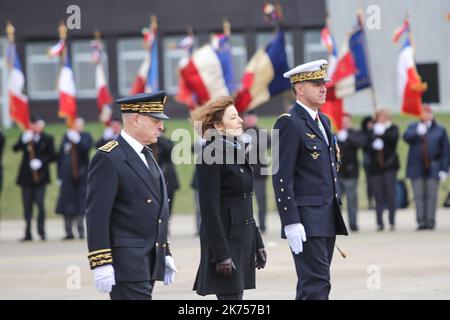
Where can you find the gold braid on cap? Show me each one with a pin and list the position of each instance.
(312, 75)
(142, 107)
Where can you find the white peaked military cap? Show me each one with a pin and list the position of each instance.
(311, 71)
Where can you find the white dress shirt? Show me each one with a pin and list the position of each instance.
(314, 114)
(136, 145)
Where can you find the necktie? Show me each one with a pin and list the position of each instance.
(151, 163)
(322, 129)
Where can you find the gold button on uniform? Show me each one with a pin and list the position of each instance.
(159, 221)
(149, 201)
(157, 244)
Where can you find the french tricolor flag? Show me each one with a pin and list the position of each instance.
(208, 73)
(141, 77)
(18, 101)
(104, 98)
(352, 70)
(333, 106)
(66, 86)
(57, 49)
(263, 77)
(153, 70)
(410, 84)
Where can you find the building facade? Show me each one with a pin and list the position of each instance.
(120, 23)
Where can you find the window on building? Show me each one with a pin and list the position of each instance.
(84, 68)
(42, 71)
(313, 49)
(263, 38)
(131, 54)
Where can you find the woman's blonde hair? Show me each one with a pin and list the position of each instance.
(210, 113)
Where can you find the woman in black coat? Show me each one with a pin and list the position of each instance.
(231, 244)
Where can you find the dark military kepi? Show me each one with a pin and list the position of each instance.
(127, 207)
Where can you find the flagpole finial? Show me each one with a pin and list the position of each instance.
(153, 22)
(62, 31)
(190, 30)
(10, 30)
(226, 27)
(97, 35)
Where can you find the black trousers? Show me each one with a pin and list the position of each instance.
(259, 186)
(233, 296)
(384, 191)
(313, 269)
(141, 290)
(68, 221)
(30, 196)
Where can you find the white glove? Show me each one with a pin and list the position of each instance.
(379, 129)
(27, 136)
(104, 278)
(296, 235)
(421, 129)
(443, 176)
(342, 135)
(169, 275)
(35, 164)
(108, 134)
(378, 144)
(73, 136)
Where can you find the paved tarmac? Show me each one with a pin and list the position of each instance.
(405, 264)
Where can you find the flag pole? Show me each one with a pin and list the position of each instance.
(369, 64)
(10, 31)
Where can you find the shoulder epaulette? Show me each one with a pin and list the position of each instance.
(284, 115)
(109, 146)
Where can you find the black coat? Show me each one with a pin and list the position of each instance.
(72, 193)
(162, 152)
(386, 159)
(228, 229)
(257, 151)
(349, 149)
(305, 178)
(126, 216)
(44, 150)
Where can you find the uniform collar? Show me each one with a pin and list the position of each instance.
(311, 111)
(136, 145)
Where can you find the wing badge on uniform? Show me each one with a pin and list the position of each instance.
(315, 155)
(310, 135)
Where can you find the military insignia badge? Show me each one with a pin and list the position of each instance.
(109, 146)
(338, 155)
(315, 155)
(310, 135)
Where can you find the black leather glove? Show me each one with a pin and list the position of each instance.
(225, 268)
(261, 258)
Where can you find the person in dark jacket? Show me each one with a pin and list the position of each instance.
(73, 161)
(230, 242)
(428, 163)
(349, 141)
(384, 164)
(366, 127)
(38, 152)
(162, 151)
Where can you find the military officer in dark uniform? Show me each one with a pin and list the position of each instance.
(73, 161)
(230, 242)
(111, 132)
(38, 152)
(305, 181)
(127, 208)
